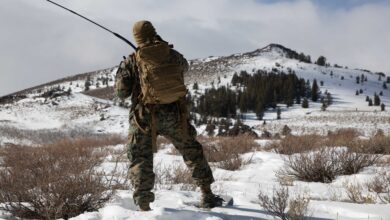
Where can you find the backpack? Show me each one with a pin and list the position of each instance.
(123, 81)
(161, 75)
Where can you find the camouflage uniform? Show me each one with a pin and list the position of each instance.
(168, 124)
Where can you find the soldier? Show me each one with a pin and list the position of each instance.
(153, 77)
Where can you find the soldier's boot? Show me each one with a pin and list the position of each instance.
(209, 199)
(144, 207)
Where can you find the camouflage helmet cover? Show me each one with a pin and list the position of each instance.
(143, 32)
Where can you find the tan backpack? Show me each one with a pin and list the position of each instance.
(161, 76)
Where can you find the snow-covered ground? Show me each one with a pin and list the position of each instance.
(244, 185)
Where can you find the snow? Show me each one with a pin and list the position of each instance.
(244, 185)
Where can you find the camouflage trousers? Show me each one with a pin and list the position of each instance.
(140, 151)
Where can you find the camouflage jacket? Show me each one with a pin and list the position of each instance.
(127, 81)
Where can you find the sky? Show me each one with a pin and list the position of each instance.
(40, 42)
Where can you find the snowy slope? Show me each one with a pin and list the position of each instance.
(347, 110)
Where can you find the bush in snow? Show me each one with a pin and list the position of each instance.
(356, 193)
(380, 185)
(342, 137)
(58, 180)
(325, 164)
(296, 144)
(284, 206)
(167, 177)
(226, 151)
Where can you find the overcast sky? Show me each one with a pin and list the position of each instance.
(40, 42)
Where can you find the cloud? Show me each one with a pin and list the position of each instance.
(41, 42)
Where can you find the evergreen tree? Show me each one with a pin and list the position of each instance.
(278, 113)
(259, 111)
(321, 61)
(384, 85)
(323, 106)
(305, 103)
(298, 100)
(328, 99)
(367, 98)
(357, 92)
(383, 107)
(377, 100)
(195, 86)
(314, 91)
(357, 80)
(87, 84)
(370, 102)
(69, 91)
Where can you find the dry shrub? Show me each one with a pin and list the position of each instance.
(168, 176)
(342, 137)
(355, 193)
(226, 151)
(58, 180)
(279, 201)
(297, 144)
(102, 93)
(380, 185)
(325, 164)
(352, 163)
(375, 145)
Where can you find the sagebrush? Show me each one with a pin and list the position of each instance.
(58, 180)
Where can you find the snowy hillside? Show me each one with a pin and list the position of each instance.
(65, 109)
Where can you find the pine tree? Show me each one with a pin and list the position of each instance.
(195, 86)
(370, 102)
(305, 103)
(383, 107)
(377, 100)
(323, 106)
(357, 80)
(298, 100)
(314, 91)
(278, 113)
(259, 111)
(321, 61)
(87, 84)
(69, 91)
(384, 85)
(328, 99)
(357, 92)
